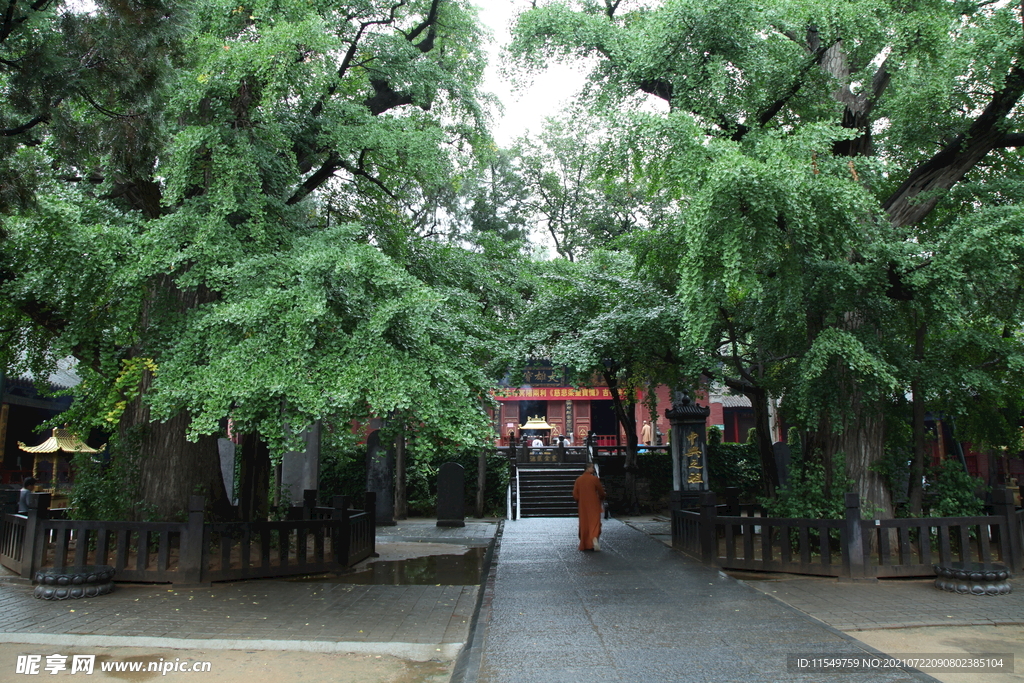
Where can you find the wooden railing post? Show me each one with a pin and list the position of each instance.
(370, 505)
(732, 500)
(35, 534)
(1002, 506)
(708, 532)
(341, 540)
(853, 538)
(481, 483)
(193, 554)
(308, 503)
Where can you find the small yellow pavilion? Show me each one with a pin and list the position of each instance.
(48, 452)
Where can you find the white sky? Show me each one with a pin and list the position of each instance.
(526, 108)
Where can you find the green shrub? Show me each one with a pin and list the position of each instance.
(343, 472)
(106, 489)
(656, 468)
(951, 492)
(733, 464)
(804, 496)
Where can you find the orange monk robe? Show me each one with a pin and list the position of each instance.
(589, 492)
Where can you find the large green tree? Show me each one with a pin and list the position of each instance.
(818, 153)
(237, 211)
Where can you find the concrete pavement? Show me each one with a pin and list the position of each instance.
(896, 616)
(414, 622)
(639, 611)
(636, 611)
(884, 604)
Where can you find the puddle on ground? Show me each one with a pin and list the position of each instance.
(433, 570)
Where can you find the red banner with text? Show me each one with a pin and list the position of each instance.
(552, 394)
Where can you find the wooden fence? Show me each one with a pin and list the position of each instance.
(850, 547)
(312, 540)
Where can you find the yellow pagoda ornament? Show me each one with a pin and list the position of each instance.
(61, 440)
(536, 422)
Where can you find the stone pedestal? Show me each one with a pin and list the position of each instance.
(72, 583)
(973, 578)
(689, 450)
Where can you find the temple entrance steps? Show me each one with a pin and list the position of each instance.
(546, 490)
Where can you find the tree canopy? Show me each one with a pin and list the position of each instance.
(278, 212)
(828, 165)
(238, 211)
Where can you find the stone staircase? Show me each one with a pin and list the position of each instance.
(546, 490)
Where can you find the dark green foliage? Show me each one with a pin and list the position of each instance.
(805, 495)
(656, 468)
(343, 472)
(212, 213)
(342, 465)
(951, 492)
(421, 482)
(107, 487)
(733, 464)
(894, 465)
(342, 476)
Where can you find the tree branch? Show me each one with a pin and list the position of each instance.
(1011, 140)
(362, 173)
(104, 110)
(658, 87)
(385, 98)
(775, 107)
(29, 125)
(9, 20)
(950, 164)
(314, 181)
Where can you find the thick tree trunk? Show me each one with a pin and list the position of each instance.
(254, 480)
(916, 492)
(862, 443)
(625, 411)
(171, 468)
(763, 438)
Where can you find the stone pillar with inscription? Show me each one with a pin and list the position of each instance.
(451, 495)
(689, 450)
(380, 477)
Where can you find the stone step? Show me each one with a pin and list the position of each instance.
(534, 513)
(547, 491)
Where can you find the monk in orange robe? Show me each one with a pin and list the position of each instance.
(589, 494)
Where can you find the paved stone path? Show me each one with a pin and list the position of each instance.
(885, 604)
(895, 604)
(417, 622)
(637, 611)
